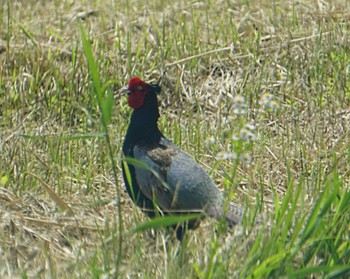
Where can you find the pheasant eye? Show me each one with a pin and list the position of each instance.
(139, 88)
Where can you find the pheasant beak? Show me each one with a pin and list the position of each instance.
(125, 90)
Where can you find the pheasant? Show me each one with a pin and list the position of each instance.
(166, 179)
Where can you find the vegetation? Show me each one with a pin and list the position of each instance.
(279, 70)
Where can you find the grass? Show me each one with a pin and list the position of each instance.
(63, 209)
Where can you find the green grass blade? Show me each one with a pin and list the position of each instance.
(163, 221)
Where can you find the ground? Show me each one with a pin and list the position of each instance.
(257, 91)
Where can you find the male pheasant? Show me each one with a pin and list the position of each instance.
(167, 178)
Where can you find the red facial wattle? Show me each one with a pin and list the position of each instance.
(136, 99)
(137, 90)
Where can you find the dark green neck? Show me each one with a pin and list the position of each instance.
(143, 127)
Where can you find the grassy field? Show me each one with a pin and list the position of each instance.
(257, 91)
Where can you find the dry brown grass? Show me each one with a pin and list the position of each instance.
(49, 118)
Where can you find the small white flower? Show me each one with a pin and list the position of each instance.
(210, 141)
(235, 136)
(239, 100)
(225, 155)
(240, 107)
(265, 99)
(246, 158)
(244, 134)
(250, 126)
(240, 111)
(273, 105)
